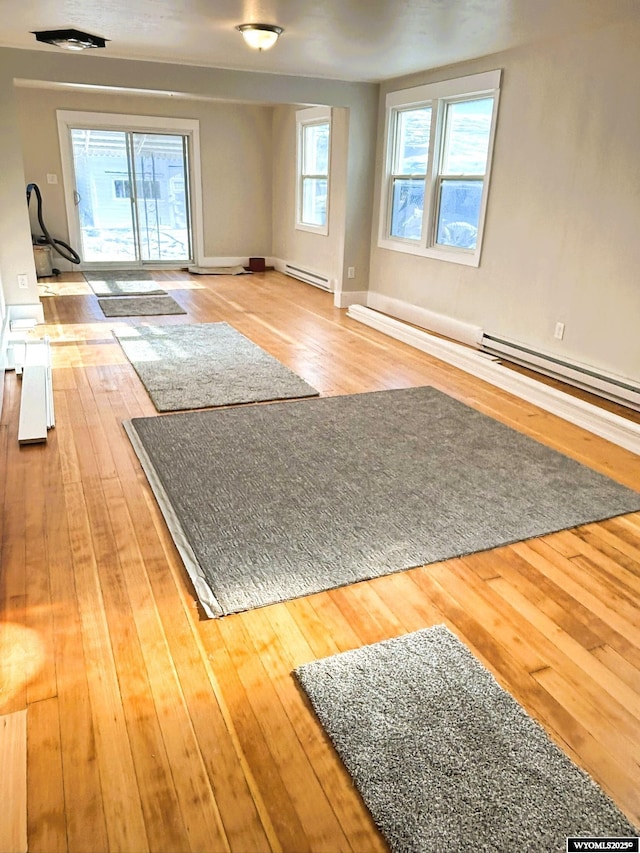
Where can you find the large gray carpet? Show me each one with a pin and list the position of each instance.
(268, 503)
(444, 758)
(204, 365)
(139, 306)
(122, 283)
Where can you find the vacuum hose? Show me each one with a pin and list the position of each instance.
(60, 247)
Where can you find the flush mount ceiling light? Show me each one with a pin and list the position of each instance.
(260, 36)
(69, 39)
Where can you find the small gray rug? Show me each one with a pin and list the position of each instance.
(268, 503)
(444, 758)
(204, 365)
(122, 283)
(139, 306)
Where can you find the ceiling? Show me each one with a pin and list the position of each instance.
(358, 40)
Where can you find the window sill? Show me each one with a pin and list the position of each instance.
(323, 230)
(466, 257)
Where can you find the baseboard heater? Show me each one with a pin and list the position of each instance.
(308, 276)
(615, 388)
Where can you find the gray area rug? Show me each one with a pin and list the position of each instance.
(139, 306)
(268, 503)
(204, 365)
(122, 283)
(444, 758)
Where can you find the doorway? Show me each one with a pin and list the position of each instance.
(128, 190)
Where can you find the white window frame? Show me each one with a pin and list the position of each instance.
(437, 96)
(305, 118)
(68, 119)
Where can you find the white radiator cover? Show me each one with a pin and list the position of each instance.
(309, 276)
(450, 327)
(607, 385)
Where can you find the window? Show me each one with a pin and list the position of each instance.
(438, 158)
(314, 154)
(147, 188)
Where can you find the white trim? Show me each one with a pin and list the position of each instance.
(224, 262)
(620, 431)
(36, 398)
(30, 311)
(466, 333)
(437, 96)
(458, 86)
(154, 124)
(4, 342)
(304, 118)
(347, 298)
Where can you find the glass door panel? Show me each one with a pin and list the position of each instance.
(160, 172)
(132, 196)
(102, 196)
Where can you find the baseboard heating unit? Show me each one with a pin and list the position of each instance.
(617, 389)
(494, 370)
(317, 279)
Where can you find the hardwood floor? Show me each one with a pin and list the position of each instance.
(152, 729)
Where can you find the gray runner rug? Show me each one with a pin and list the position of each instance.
(444, 758)
(139, 306)
(268, 503)
(205, 365)
(122, 283)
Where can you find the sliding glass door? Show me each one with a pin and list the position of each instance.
(132, 196)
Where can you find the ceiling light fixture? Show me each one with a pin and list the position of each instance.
(260, 36)
(69, 39)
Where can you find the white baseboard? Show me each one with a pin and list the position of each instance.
(223, 262)
(346, 298)
(620, 431)
(31, 311)
(457, 330)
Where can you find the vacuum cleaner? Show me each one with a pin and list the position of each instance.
(43, 245)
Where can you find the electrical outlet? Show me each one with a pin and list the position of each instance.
(559, 331)
(23, 281)
(52, 179)
(351, 272)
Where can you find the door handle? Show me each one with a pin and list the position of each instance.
(77, 198)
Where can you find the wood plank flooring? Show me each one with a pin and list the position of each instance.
(152, 729)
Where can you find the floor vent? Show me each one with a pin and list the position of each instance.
(611, 387)
(317, 279)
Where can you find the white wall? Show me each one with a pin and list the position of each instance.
(561, 237)
(236, 155)
(16, 253)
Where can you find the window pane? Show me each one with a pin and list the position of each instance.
(467, 137)
(316, 149)
(407, 206)
(314, 201)
(106, 221)
(459, 213)
(160, 169)
(412, 141)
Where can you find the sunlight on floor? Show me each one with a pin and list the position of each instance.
(22, 653)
